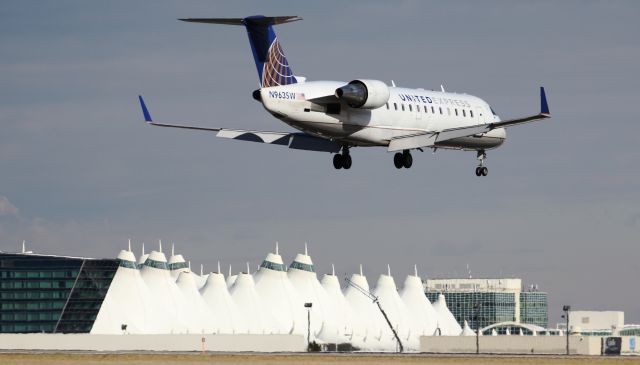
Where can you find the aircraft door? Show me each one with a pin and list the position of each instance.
(480, 115)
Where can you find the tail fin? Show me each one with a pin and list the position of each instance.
(273, 67)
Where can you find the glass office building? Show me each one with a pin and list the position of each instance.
(493, 308)
(485, 302)
(52, 294)
(533, 308)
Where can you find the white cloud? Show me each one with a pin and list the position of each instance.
(6, 208)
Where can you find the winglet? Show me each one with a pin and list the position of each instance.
(544, 107)
(145, 111)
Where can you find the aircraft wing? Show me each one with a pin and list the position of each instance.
(300, 141)
(428, 139)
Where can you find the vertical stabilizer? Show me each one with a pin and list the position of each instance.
(273, 67)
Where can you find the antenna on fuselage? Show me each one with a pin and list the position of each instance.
(442, 88)
(393, 83)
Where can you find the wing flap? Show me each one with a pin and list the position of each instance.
(411, 142)
(448, 134)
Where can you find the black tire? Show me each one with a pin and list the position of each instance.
(398, 160)
(337, 161)
(346, 162)
(485, 171)
(478, 171)
(407, 160)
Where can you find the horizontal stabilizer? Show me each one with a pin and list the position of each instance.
(255, 20)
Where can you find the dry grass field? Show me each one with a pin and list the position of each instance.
(283, 359)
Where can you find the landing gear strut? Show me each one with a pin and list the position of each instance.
(343, 160)
(403, 159)
(482, 170)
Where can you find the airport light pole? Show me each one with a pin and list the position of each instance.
(477, 307)
(308, 306)
(566, 309)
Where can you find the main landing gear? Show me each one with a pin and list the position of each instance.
(403, 159)
(482, 170)
(342, 160)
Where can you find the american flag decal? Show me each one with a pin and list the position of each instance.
(276, 70)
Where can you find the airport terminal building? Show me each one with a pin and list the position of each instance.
(152, 295)
(485, 302)
(52, 294)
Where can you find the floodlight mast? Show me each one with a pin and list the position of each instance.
(377, 302)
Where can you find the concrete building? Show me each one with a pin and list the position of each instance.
(597, 323)
(485, 302)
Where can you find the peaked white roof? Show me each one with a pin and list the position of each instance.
(339, 329)
(279, 295)
(395, 309)
(466, 330)
(225, 313)
(423, 317)
(197, 315)
(446, 321)
(251, 306)
(303, 278)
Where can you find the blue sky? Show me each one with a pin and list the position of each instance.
(81, 173)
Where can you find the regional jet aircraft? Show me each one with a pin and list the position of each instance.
(334, 116)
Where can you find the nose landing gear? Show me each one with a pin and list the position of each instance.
(343, 160)
(482, 170)
(403, 159)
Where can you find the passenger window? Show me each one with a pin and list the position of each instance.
(402, 106)
(433, 110)
(425, 109)
(395, 106)
(387, 104)
(456, 112)
(471, 113)
(440, 110)
(418, 108)
(464, 113)
(410, 108)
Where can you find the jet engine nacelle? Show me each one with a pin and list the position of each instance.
(365, 94)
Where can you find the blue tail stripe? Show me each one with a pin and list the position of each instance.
(273, 68)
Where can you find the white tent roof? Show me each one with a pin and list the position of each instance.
(339, 329)
(279, 295)
(423, 317)
(446, 321)
(303, 278)
(197, 315)
(224, 310)
(466, 330)
(167, 303)
(251, 306)
(367, 321)
(126, 302)
(395, 309)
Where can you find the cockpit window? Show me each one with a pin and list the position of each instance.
(493, 111)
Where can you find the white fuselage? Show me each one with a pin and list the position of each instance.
(408, 112)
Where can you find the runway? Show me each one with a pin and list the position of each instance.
(51, 358)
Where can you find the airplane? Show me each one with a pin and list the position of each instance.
(335, 116)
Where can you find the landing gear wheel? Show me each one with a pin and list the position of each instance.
(398, 160)
(338, 161)
(346, 161)
(484, 171)
(407, 160)
(478, 171)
